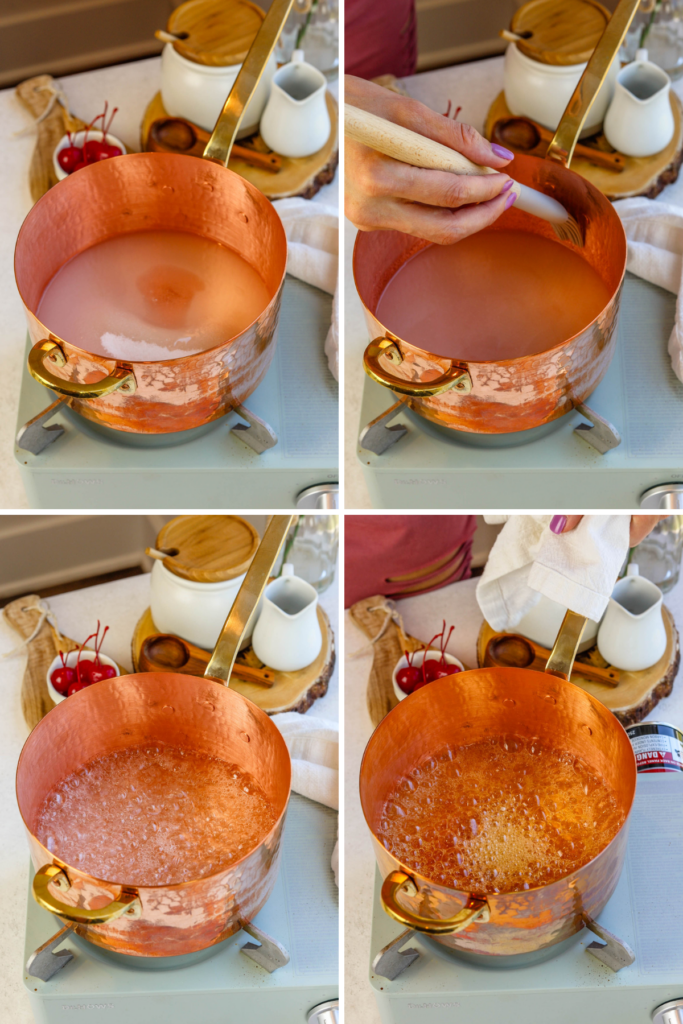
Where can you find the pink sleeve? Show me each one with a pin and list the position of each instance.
(380, 38)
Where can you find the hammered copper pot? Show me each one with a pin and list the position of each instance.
(475, 705)
(156, 192)
(159, 707)
(509, 395)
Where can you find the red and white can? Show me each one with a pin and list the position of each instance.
(658, 746)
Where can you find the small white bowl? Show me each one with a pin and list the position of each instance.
(418, 658)
(70, 659)
(77, 139)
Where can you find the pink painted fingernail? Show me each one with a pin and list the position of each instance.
(508, 184)
(510, 200)
(558, 523)
(503, 153)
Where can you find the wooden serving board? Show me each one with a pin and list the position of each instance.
(23, 615)
(637, 693)
(291, 691)
(642, 176)
(303, 176)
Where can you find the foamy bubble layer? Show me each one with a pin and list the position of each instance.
(154, 815)
(503, 815)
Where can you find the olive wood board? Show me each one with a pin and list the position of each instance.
(369, 616)
(34, 94)
(642, 176)
(23, 615)
(291, 691)
(637, 693)
(301, 176)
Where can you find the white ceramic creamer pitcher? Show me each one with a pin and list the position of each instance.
(632, 635)
(287, 635)
(296, 121)
(640, 120)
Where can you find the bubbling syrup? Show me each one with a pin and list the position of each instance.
(502, 815)
(154, 815)
(152, 295)
(493, 295)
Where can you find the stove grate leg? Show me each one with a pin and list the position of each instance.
(270, 954)
(377, 437)
(615, 954)
(601, 435)
(256, 433)
(44, 963)
(34, 436)
(391, 961)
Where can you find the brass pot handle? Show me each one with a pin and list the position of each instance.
(121, 378)
(566, 645)
(456, 378)
(475, 909)
(79, 915)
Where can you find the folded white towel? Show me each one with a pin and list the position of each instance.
(577, 569)
(313, 745)
(312, 231)
(654, 232)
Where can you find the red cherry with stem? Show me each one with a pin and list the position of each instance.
(62, 678)
(407, 677)
(75, 687)
(78, 656)
(432, 669)
(95, 150)
(85, 670)
(112, 150)
(69, 157)
(101, 672)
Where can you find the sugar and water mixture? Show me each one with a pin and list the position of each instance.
(154, 815)
(493, 295)
(152, 295)
(501, 815)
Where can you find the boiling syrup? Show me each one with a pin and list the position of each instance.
(494, 295)
(502, 815)
(152, 295)
(154, 815)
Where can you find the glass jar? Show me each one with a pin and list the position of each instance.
(312, 26)
(311, 547)
(658, 28)
(659, 555)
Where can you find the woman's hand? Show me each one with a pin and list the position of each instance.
(384, 194)
(640, 525)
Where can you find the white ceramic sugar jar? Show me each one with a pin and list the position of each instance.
(201, 564)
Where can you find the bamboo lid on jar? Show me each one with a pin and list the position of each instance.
(558, 31)
(216, 32)
(206, 549)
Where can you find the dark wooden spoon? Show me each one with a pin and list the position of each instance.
(175, 135)
(512, 651)
(527, 136)
(164, 652)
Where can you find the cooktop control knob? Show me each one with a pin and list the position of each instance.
(668, 1013)
(665, 496)
(328, 1013)
(321, 497)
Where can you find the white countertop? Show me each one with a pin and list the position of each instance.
(473, 87)
(118, 605)
(421, 617)
(129, 87)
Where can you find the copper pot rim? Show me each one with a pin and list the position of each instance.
(51, 858)
(497, 898)
(517, 360)
(141, 362)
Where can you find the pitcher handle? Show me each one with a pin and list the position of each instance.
(225, 131)
(475, 909)
(566, 645)
(228, 644)
(561, 149)
(456, 377)
(79, 915)
(121, 378)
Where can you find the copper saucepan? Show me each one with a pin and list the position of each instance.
(510, 395)
(188, 711)
(155, 192)
(465, 708)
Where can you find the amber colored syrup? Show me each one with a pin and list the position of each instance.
(152, 295)
(494, 295)
(154, 815)
(501, 815)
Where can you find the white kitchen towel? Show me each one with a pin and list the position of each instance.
(312, 231)
(313, 745)
(577, 569)
(655, 252)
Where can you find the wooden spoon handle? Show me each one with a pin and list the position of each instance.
(160, 651)
(607, 676)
